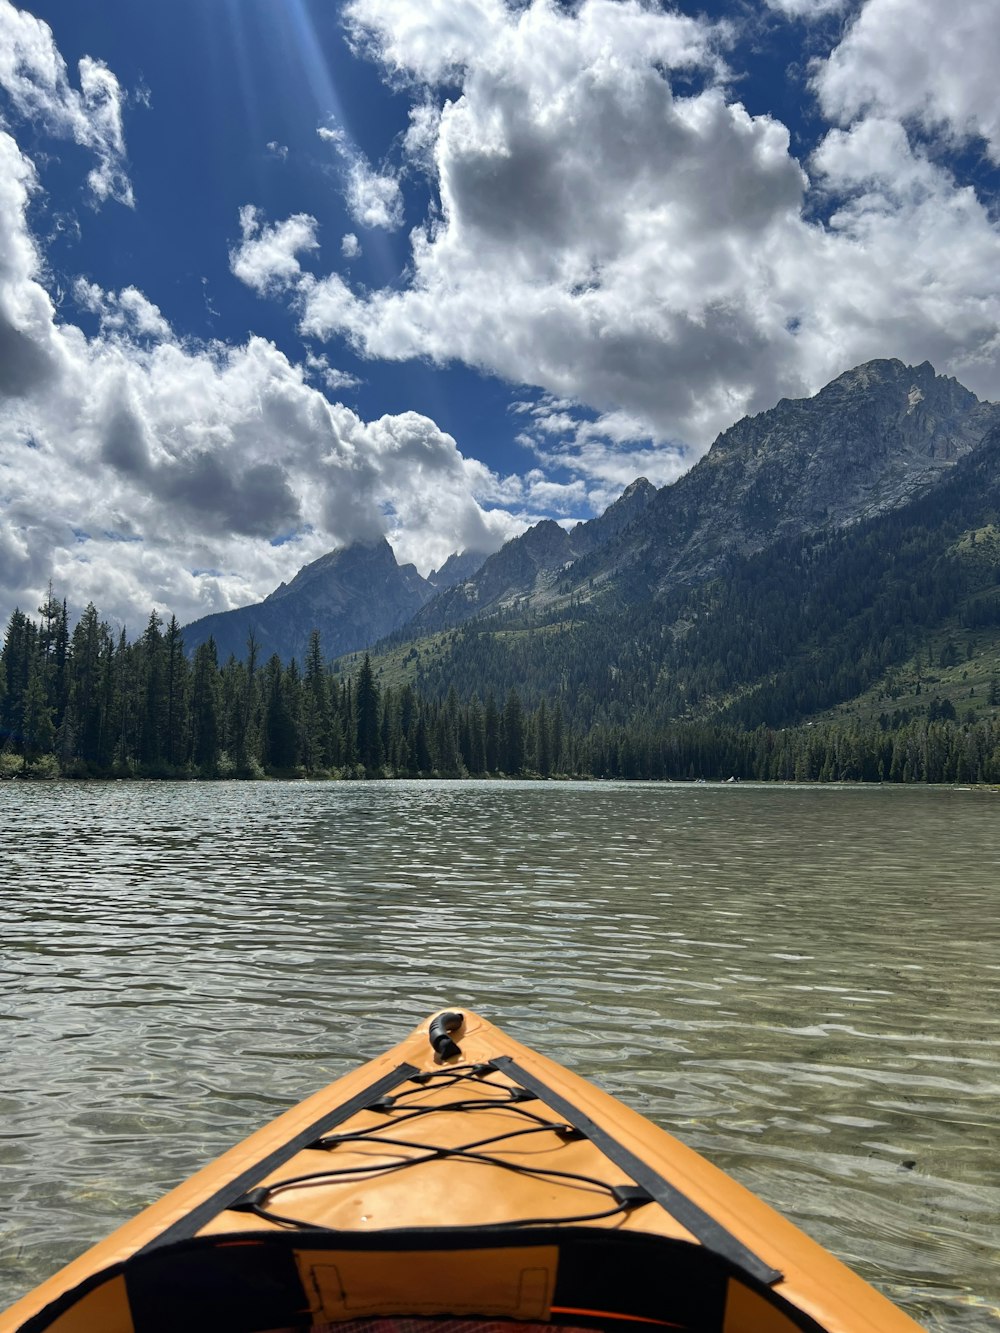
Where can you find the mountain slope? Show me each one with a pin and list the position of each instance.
(530, 566)
(873, 439)
(769, 622)
(354, 597)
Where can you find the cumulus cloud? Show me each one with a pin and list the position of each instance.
(267, 259)
(612, 226)
(595, 231)
(924, 272)
(34, 76)
(28, 355)
(929, 61)
(373, 198)
(136, 467)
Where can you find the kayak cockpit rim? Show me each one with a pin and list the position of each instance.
(558, 1276)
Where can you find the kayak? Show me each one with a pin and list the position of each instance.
(460, 1183)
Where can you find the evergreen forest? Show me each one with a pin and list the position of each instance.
(83, 701)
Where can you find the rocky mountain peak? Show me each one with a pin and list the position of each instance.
(533, 564)
(874, 438)
(354, 596)
(641, 488)
(458, 567)
(359, 559)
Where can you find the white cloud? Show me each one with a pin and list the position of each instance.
(924, 270)
(131, 463)
(930, 61)
(350, 246)
(421, 136)
(595, 230)
(335, 380)
(554, 497)
(431, 492)
(806, 9)
(127, 311)
(267, 258)
(35, 78)
(373, 198)
(661, 257)
(427, 43)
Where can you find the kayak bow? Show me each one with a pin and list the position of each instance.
(459, 1177)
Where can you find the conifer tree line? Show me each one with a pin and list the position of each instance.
(87, 702)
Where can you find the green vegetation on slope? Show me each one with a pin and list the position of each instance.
(885, 617)
(870, 653)
(88, 703)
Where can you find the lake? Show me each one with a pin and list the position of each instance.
(803, 983)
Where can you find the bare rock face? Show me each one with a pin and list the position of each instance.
(531, 566)
(876, 437)
(354, 596)
(873, 439)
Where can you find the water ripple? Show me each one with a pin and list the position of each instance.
(802, 983)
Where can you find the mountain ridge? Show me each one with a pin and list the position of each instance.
(354, 596)
(869, 442)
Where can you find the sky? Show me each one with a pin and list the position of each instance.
(279, 275)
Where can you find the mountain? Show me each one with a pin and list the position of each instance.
(459, 566)
(813, 548)
(873, 439)
(839, 548)
(884, 617)
(354, 596)
(531, 566)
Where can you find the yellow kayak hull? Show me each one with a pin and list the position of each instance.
(460, 1176)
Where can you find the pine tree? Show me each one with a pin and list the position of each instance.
(177, 681)
(543, 741)
(279, 738)
(512, 730)
(205, 709)
(152, 686)
(491, 735)
(87, 697)
(245, 729)
(369, 740)
(37, 728)
(316, 712)
(125, 702)
(474, 749)
(19, 652)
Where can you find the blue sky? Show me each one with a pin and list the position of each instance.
(277, 275)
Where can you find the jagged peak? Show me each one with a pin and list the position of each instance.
(360, 551)
(641, 486)
(888, 373)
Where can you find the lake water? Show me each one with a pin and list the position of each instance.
(802, 983)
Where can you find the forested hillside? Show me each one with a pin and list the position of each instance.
(86, 703)
(775, 638)
(864, 650)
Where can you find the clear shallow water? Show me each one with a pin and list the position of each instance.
(802, 983)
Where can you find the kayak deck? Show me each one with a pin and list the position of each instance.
(459, 1177)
